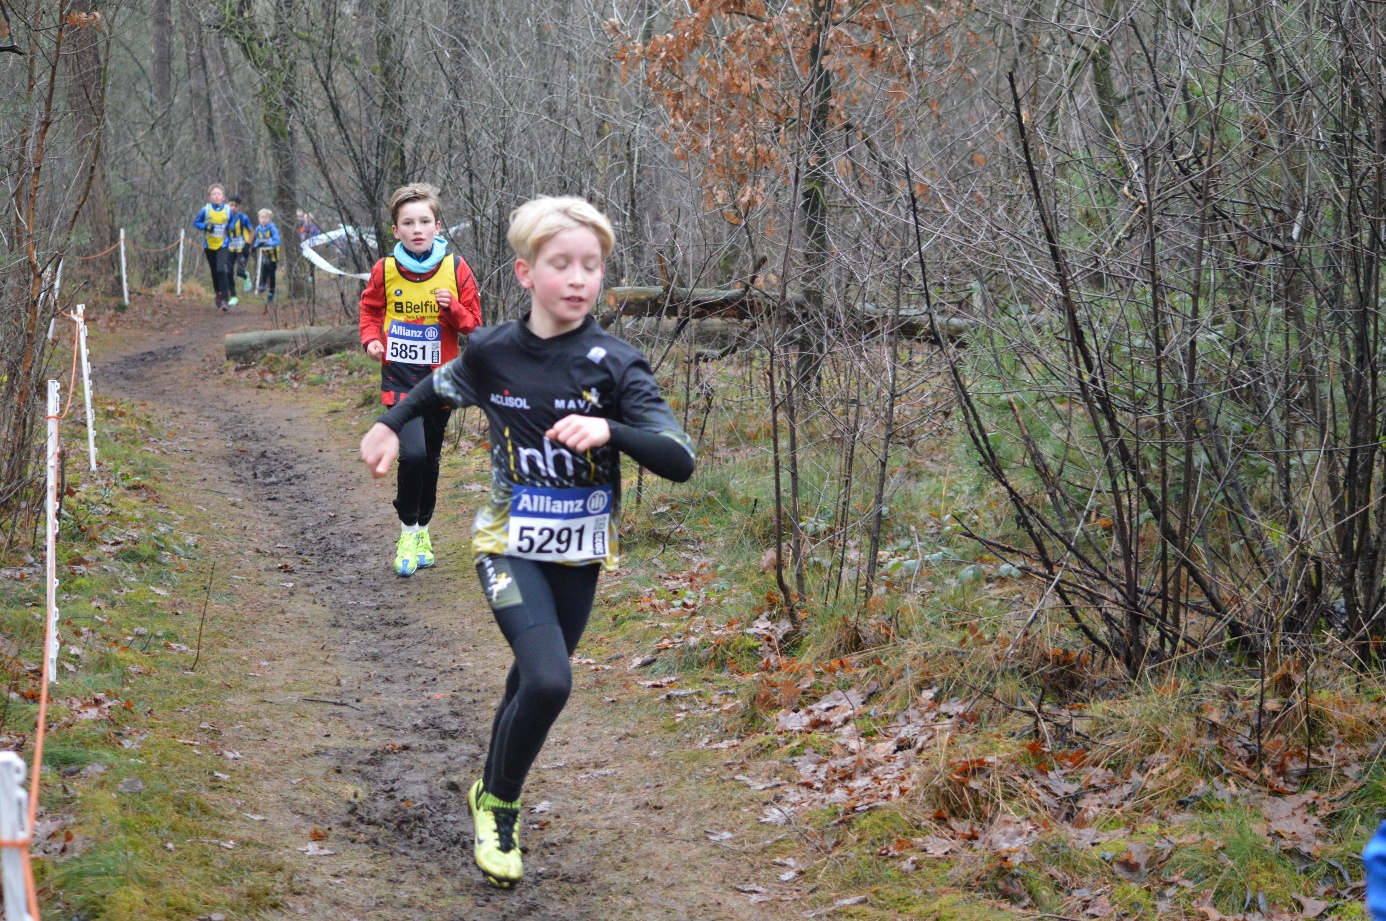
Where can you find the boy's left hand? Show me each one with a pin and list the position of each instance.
(444, 298)
(580, 433)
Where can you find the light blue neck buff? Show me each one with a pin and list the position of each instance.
(421, 264)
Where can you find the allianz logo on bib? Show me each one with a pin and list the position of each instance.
(414, 332)
(547, 505)
(506, 400)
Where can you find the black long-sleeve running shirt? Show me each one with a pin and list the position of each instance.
(525, 384)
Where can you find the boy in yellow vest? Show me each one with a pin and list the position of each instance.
(419, 298)
(214, 220)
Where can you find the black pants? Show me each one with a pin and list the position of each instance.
(219, 261)
(420, 448)
(265, 283)
(238, 261)
(542, 609)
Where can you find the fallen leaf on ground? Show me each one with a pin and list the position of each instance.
(840, 903)
(1099, 908)
(1310, 908)
(1134, 865)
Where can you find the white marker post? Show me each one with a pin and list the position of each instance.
(57, 287)
(86, 382)
(124, 286)
(259, 267)
(51, 553)
(58, 283)
(178, 291)
(14, 828)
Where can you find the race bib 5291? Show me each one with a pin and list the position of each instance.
(414, 343)
(559, 525)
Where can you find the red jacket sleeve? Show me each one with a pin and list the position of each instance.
(466, 310)
(373, 307)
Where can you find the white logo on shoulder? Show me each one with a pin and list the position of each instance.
(596, 354)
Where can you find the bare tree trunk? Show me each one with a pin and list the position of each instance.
(86, 92)
(813, 203)
(268, 47)
(393, 108)
(200, 88)
(161, 20)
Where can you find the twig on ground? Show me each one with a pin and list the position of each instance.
(203, 620)
(335, 703)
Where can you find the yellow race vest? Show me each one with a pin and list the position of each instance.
(412, 333)
(214, 236)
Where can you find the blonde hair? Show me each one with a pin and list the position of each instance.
(539, 220)
(214, 186)
(265, 212)
(416, 191)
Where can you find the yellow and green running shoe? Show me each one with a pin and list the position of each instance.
(423, 548)
(496, 825)
(405, 559)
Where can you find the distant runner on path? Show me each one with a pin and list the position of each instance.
(417, 301)
(214, 220)
(238, 239)
(564, 399)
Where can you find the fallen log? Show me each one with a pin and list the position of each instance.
(244, 348)
(752, 303)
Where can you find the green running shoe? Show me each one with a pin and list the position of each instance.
(405, 560)
(423, 548)
(496, 825)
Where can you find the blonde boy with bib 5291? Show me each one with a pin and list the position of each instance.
(419, 298)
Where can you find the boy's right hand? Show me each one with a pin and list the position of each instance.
(379, 448)
(375, 349)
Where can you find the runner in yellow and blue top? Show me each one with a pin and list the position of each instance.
(564, 400)
(239, 235)
(266, 254)
(214, 220)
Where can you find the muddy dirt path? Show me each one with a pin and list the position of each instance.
(367, 699)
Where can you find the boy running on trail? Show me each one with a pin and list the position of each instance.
(417, 301)
(238, 237)
(564, 399)
(214, 220)
(267, 254)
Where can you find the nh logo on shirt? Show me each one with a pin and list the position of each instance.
(546, 461)
(591, 400)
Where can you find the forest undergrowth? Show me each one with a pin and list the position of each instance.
(137, 789)
(948, 745)
(945, 746)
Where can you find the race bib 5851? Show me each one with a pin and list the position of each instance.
(414, 343)
(559, 525)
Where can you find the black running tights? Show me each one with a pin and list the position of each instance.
(542, 609)
(420, 447)
(219, 261)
